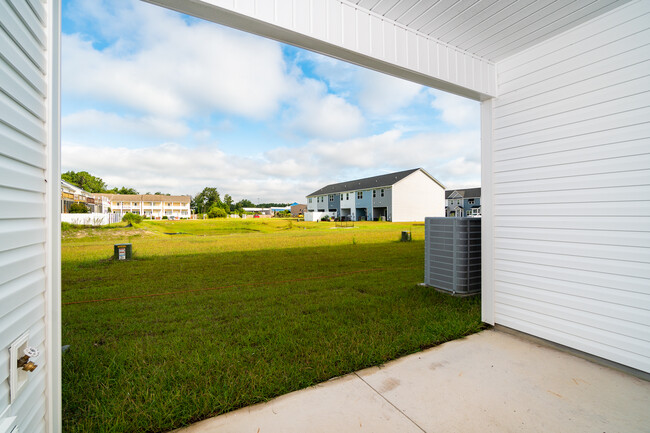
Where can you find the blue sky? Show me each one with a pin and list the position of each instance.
(164, 102)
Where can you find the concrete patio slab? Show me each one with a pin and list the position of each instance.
(489, 382)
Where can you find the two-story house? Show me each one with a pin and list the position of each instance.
(463, 202)
(409, 195)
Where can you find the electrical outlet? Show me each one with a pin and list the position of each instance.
(17, 376)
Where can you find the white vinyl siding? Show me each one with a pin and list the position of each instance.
(342, 30)
(416, 197)
(571, 188)
(26, 161)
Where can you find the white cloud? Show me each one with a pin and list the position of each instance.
(281, 174)
(450, 157)
(383, 95)
(97, 123)
(456, 110)
(177, 70)
(320, 114)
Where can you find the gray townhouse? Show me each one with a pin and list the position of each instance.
(409, 195)
(463, 202)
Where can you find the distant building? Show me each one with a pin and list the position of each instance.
(409, 195)
(463, 202)
(298, 209)
(71, 193)
(149, 205)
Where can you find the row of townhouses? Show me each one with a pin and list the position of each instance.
(409, 195)
(463, 202)
(150, 205)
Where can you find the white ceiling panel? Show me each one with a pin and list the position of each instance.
(492, 29)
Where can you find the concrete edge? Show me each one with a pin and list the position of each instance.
(575, 352)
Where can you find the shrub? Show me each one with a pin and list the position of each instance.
(65, 226)
(165, 217)
(217, 212)
(79, 208)
(132, 218)
(325, 218)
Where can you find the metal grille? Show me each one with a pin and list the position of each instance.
(452, 257)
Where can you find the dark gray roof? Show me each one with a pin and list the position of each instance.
(383, 180)
(465, 193)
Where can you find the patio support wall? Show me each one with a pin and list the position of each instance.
(29, 208)
(571, 188)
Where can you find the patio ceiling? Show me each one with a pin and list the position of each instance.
(492, 29)
(452, 45)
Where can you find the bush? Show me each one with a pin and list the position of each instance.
(217, 212)
(65, 226)
(165, 217)
(79, 208)
(325, 218)
(283, 214)
(132, 218)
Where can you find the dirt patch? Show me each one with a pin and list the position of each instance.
(105, 233)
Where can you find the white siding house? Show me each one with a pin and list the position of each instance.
(409, 195)
(411, 204)
(29, 214)
(565, 158)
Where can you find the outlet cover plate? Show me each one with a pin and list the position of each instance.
(17, 377)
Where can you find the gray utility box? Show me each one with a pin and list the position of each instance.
(452, 255)
(122, 251)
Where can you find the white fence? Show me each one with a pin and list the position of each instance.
(91, 219)
(316, 216)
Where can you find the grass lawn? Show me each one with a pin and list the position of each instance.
(227, 313)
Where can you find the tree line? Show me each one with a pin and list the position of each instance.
(207, 201)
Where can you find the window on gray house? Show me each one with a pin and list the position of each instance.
(382, 192)
(374, 193)
(359, 195)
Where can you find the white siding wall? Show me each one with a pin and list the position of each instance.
(27, 164)
(571, 188)
(416, 197)
(344, 30)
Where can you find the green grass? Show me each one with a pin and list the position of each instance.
(250, 310)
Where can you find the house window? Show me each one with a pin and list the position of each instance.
(341, 196)
(347, 196)
(309, 199)
(374, 193)
(135, 204)
(470, 201)
(331, 197)
(382, 192)
(359, 195)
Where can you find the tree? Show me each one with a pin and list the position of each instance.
(245, 203)
(78, 208)
(205, 200)
(227, 200)
(217, 212)
(123, 190)
(85, 180)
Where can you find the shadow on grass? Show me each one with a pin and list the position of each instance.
(268, 327)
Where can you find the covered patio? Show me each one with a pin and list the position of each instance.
(492, 381)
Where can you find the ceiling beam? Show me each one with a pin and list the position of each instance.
(343, 30)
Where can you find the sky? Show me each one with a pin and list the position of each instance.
(160, 101)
